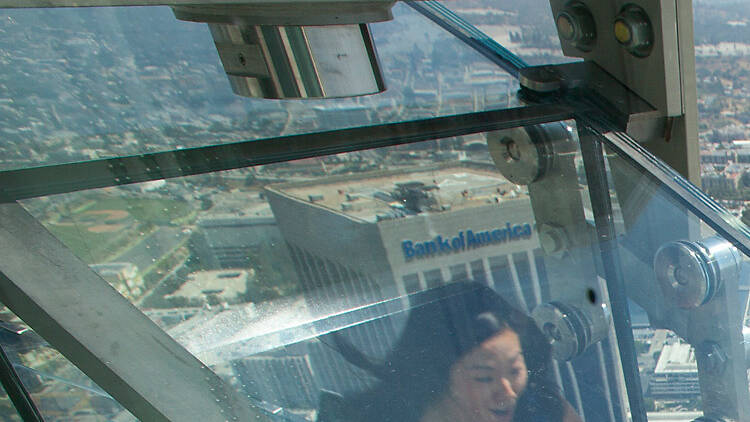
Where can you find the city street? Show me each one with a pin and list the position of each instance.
(148, 251)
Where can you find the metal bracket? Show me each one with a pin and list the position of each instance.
(588, 82)
(659, 208)
(649, 47)
(654, 76)
(544, 157)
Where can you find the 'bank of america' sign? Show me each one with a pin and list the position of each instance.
(465, 240)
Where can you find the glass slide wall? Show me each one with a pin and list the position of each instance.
(444, 250)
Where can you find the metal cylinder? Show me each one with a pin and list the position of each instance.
(571, 329)
(691, 273)
(525, 154)
(279, 52)
(576, 25)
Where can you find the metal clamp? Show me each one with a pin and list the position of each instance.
(571, 329)
(525, 154)
(691, 273)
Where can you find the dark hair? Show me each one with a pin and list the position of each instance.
(445, 324)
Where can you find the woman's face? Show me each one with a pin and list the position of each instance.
(487, 381)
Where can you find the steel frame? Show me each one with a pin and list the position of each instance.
(102, 333)
(31, 4)
(724, 392)
(41, 181)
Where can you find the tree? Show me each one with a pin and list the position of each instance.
(206, 202)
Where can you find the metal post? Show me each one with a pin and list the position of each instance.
(596, 176)
(16, 390)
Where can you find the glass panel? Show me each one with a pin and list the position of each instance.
(321, 287)
(58, 389)
(526, 28)
(7, 409)
(689, 290)
(298, 281)
(481, 277)
(92, 83)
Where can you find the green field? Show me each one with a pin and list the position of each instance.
(143, 216)
(155, 211)
(90, 247)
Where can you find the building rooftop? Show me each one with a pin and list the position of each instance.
(236, 205)
(386, 195)
(224, 284)
(676, 358)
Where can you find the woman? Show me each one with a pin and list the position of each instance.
(464, 355)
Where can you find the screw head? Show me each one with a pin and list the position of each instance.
(633, 30)
(576, 25)
(565, 27)
(683, 274)
(522, 157)
(553, 239)
(622, 32)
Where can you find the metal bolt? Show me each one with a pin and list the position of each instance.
(523, 155)
(513, 151)
(632, 29)
(553, 239)
(683, 274)
(692, 273)
(576, 25)
(552, 331)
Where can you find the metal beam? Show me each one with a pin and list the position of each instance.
(62, 178)
(103, 334)
(680, 148)
(109, 3)
(601, 204)
(17, 391)
(704, 207)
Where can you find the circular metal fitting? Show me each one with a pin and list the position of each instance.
(633, 30)
(691, 273)
(525, 154)
(553, 239)
(576, 25)
(571, 329)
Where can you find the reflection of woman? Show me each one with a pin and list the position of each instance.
(464, 355)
